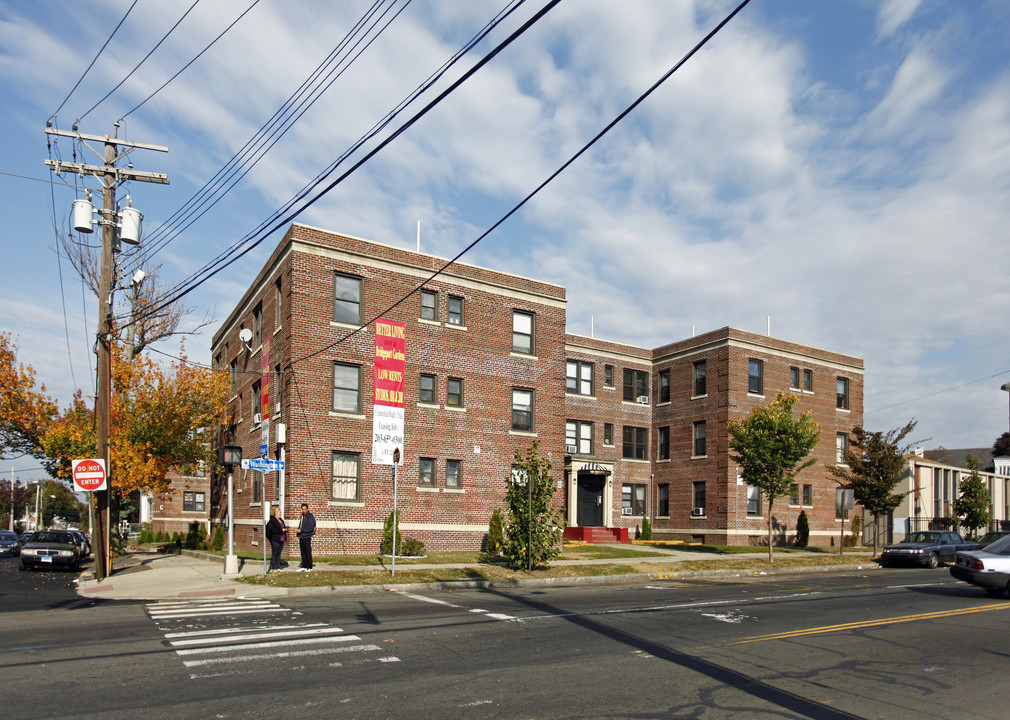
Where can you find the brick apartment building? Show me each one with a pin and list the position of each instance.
(631, 432)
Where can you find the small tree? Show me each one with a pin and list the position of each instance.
(972, 505)
(646, 528)
(533, 532)
(770, 445)
(1001, 447)
(390, 526)
(874, 465)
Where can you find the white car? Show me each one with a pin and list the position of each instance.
(988, 568)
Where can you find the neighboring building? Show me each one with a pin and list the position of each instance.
(187, 501)
(631, 432)
(933, 485)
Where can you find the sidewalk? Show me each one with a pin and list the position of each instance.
(149, 575)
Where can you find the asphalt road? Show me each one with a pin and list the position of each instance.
(873, 644)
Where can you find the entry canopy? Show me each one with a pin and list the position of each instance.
(593, 469)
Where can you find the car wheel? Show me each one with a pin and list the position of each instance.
(995, 592)
(933, 560)
(21, 565)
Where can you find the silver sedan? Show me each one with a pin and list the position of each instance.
(988, 568)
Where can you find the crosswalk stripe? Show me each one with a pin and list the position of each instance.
(272, 656)
(257, 635)
(251, 628)
(256, 646)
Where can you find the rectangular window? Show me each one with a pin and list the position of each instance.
(579, 377)
(664, 443)
(808, 495)
(278, 304)
(633, 500)
(347, 299)
(427, 389)
(636, 443)
(755, 377)
(700, 372)
(522, 410)
(429, 305)
(426, 477)
(794, 378)
(636, 384)
(663, 501)
(257, 400)
(454, 392)
(522, 332)
(455, 310)
(346, 476)
(808, 380)
(257, 338)
(346, 388)
(841, 447)
(664, 386)
(454, 474)
(700, 438)
(608, 433)
(753, 501)
(699, 498)
(579, 437)
(193, 502)
(843, 393)
(794, 494)
(608, 376)
(233, 369)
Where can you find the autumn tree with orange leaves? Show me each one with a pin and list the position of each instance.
(158, 417)
(25, 413)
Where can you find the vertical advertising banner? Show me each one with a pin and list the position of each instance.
(390, 365)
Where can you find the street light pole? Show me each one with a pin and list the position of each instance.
(230, 456)
(1006, 387)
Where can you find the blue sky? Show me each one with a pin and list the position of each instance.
(839, 171)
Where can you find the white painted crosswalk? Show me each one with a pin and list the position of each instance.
(225, 636)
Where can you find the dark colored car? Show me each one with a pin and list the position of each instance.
(82, 542)
(991, 537)
(929, 548)
(9, 543)
(989, 569)
(23, 537)
(51, 549)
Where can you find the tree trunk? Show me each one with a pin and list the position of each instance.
(771, 556)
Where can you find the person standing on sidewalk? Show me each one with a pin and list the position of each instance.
(276, 533)
(306, 529)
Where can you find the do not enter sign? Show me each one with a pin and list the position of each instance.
(89, 475)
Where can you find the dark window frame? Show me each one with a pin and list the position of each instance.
(354, 283)
(356, 389)
(635, 443)
(345, 478)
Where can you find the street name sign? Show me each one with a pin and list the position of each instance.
(263, 465)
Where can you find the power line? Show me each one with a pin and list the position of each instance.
(607, 128)
(251, 241)
(137, 66)
(88, 69)
(938, 392)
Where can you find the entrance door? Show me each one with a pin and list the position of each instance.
(590, 500)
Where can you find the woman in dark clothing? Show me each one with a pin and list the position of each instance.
(276, 533)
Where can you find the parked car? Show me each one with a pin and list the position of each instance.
(50, 549)
(23, 537)
(991, 537)
(929, 548)
(9, 543)
(988, 568)
(83, 542)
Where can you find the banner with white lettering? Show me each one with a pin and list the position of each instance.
(390, 366)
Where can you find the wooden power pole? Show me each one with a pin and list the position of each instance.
(111, 176)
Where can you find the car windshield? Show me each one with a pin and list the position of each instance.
(923, 537)
(53, 537)
(8, 536)
(999, 547)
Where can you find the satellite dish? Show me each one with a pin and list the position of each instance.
(245, 335)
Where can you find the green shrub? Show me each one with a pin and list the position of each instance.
(412, 547)
(387, 535)
(646, 529)
(196, 538)
(494, 545)
(219, 537)
(802, 529)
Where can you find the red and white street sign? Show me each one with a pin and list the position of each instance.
(89, 475)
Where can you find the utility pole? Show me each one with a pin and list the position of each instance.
(111, 177)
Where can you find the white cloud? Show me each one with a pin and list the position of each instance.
(893, 14)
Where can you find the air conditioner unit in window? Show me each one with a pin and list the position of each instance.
(697, 512)
(571, 449)
(643, 399)
(625, 511)
(257, 418)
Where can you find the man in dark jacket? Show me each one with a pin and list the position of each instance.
(306, 529)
